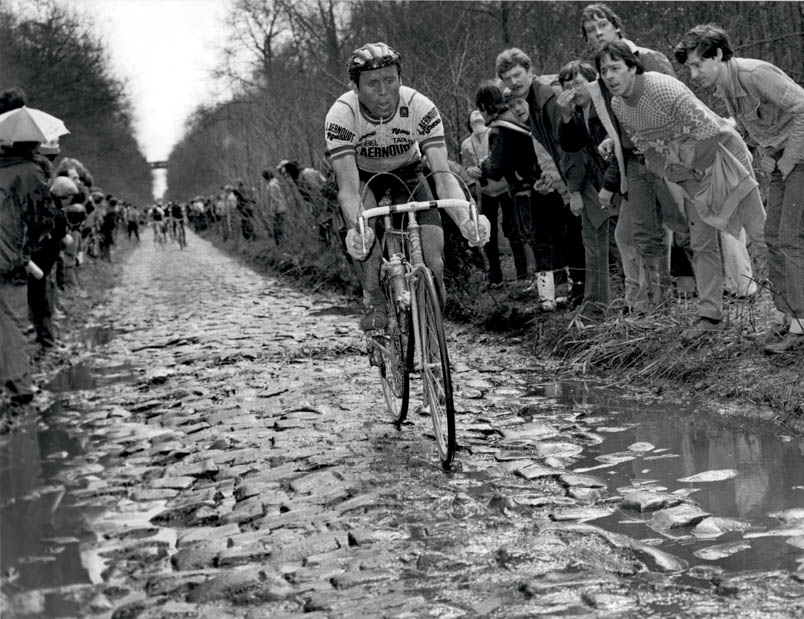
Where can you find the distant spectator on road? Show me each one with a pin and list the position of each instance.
(244, 203)
(277, 205)
(132, 216)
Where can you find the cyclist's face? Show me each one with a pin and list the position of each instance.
(378, 90)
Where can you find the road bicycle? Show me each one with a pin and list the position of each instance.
(180, 234)
(159, 233)
(414, 320)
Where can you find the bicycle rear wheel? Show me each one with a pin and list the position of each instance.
(435, 366)
(396, 355)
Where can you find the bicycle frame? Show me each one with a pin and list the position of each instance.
(410, 237)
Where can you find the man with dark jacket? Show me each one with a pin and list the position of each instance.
(513, 67)
(511, 158)
(24, 224)
(581, 131)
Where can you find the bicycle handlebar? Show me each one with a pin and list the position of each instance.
(408, 207)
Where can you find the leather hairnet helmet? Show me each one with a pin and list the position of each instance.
(372, 56)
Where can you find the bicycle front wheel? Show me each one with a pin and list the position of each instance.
(396, 351)
(435, 366)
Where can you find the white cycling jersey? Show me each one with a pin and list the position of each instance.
(383, 145)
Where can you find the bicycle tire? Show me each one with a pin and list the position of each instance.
(435, 369)
(396, 353)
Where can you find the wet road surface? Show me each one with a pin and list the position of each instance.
(222, 450)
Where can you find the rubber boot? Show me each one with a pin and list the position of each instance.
(658, 283)
(545, 286)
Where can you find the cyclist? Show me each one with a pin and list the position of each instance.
(177, 222)
(381, 126)
(157, 221)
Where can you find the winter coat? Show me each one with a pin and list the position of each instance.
(511, 154)
(26, 214)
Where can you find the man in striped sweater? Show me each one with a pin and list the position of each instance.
(681, 139)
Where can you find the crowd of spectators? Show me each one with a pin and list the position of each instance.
(53, 218)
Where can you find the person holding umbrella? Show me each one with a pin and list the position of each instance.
(25, 220)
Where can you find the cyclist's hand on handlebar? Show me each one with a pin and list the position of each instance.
(483, 231)
(355, 246)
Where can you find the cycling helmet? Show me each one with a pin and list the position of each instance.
(372, 56)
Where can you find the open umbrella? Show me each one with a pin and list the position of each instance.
(26, 124)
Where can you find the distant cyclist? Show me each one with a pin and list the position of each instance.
(157, 217)
(177, 222)
(382, 126)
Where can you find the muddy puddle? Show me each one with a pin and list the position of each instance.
(740, 472)
(41, 524)
(742, 475)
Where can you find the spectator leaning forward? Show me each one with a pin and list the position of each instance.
(769, 107)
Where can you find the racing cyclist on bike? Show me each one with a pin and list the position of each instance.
(177, 222)
(157, 221)
(382, 126)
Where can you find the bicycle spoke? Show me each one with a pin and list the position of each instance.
(393, 355)
(435, 369)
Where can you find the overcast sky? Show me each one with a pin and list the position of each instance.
(164, 50)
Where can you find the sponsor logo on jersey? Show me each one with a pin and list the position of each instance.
(336, 132)
(384, 152)
(366, 135)
(429, 121)
(404, 112)
(398, 131)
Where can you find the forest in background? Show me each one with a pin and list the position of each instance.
(285, 65)
(51, 52)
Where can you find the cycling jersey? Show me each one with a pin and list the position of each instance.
(175, 212)
(381, 145)
(157, 213)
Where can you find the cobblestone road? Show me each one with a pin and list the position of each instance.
(238, 461)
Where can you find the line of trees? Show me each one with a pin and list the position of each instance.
(285, 65)
(51, 52)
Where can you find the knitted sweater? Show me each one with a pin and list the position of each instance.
(661, 110)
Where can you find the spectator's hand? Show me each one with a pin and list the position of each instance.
(483, 231)
(678, 173)
(474, 172)
(566, 105)
(605, 196)
(576, 203)
(547, 182)
(731, 122)
(767, 164)
(606, 148)
(354, 243)
(784, 167)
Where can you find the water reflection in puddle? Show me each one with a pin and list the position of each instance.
(41, 525)
(39, 530)
(86, 375)
(670, 443)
